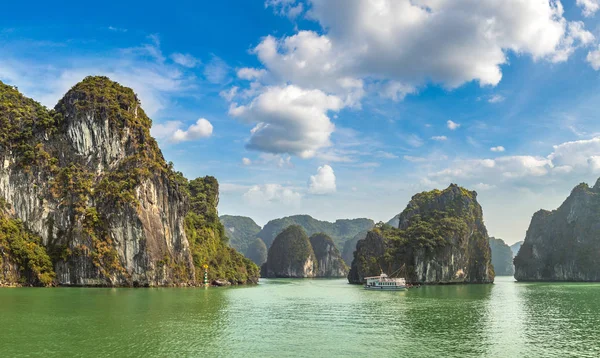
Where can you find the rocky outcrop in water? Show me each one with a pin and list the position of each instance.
(441, 238)
(90, 184)
(329, 260)
(563, 244)
(502, 257)
(291, 255)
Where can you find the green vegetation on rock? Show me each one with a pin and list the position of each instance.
(257, 252)
(241, 231)
(340, 231)
(441, 238)
(113, 212)
(291, 255)
(207, 239)
(25, 250)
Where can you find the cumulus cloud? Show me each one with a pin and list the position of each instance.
(387, 40)
(498, 149)
(452, 125)
(201, 129)
(289, 120)
(185, 60)
(439, 138)
(323, 182)
(593, 58)
(588, 7)
(574, 158)
(172, 132)
(264, 195)
(246, 161)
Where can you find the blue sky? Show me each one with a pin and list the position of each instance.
(341, 109)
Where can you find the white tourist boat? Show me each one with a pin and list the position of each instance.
(385, 283)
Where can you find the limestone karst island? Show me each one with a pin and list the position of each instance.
(300, 178)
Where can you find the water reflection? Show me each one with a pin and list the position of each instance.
(561, 318)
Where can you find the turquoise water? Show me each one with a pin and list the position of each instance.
(304, 318)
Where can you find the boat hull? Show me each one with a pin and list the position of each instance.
(383, 288)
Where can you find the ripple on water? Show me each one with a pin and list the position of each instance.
(305, 318)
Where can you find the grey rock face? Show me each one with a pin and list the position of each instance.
(142, 239)
(563, 244)
(329, 260)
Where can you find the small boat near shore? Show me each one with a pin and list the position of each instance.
(385, 283)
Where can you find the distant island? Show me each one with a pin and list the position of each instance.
(244, 232)
(294, 255)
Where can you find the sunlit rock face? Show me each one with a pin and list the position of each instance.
(440, 239)
(329, 260)
(89, 180)
(563, 244)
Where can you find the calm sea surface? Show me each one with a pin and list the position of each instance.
(304, 318)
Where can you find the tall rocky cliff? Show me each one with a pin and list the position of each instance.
(441, 238)
(329, 260)
(89, 185)
(563, 244)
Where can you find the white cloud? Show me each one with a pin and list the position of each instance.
(498, 149)
(289, 120)
(229, 94)
(593, 58)
(250, 74)
(185, 60)
(483, 186)
(496, 99)
(141, 68)
(580, 155)
(117, 29)
(308, 61)
(588, 7)
(385, 155)
(387, 40)
(396, 91)
(439, 138)
(216, 71)
(246, 161)
(323, 182)
(267, 194)
(576, 158)
(287, 8)
(452, 125)
(171, 131)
